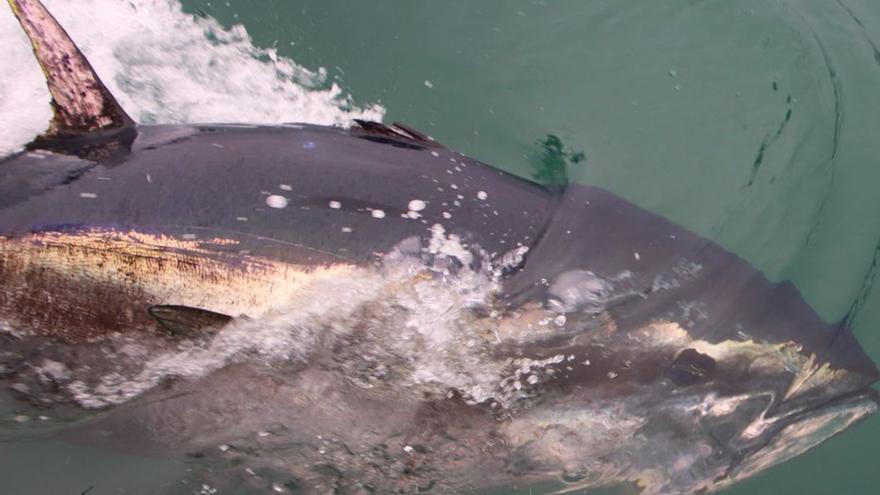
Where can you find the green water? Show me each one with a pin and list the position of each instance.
(752, 122)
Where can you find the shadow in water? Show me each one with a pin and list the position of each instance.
(551, 161)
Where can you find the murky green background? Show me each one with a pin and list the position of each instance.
(753, 122)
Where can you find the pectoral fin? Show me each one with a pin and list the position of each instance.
(186, 321)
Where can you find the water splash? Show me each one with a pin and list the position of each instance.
(166, 66)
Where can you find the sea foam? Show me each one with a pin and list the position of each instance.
(166, 66)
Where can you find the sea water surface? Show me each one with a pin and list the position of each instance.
(751, 122)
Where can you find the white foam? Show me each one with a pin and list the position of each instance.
(276, 201)
(448, 246)
(162, 67)
(24, 100)
(579, 290)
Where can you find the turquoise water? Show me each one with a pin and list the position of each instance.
(751, 122)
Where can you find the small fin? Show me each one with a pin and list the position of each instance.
(186, 321)
(80, 101)
(416, 135)
(398, 131)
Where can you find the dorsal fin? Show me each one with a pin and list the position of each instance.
(80, 101)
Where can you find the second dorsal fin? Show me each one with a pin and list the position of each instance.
(80, 101)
